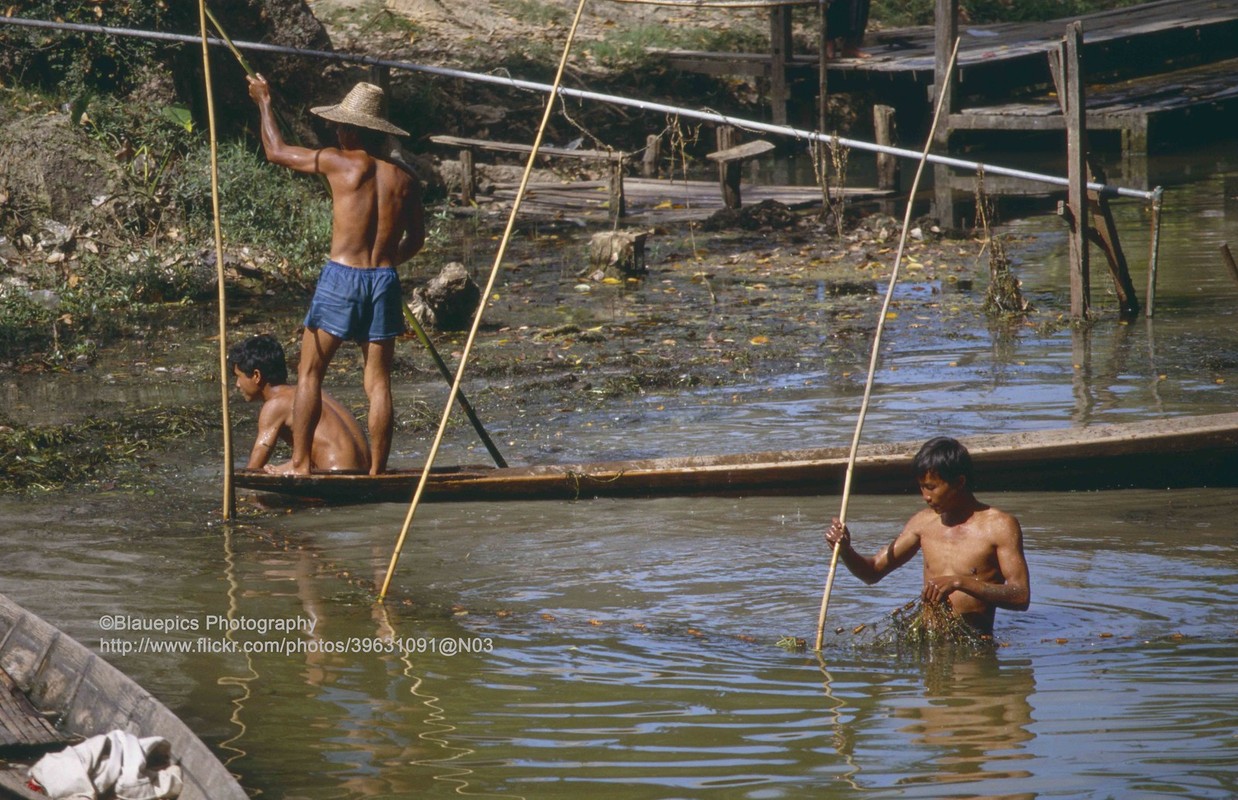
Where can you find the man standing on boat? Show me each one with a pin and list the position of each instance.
(973, 553)
(377, 224)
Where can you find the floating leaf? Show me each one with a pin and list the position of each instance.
(759, 340)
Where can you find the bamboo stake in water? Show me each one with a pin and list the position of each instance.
(229, 500)
(874, 356)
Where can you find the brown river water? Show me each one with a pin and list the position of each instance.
(629, 649)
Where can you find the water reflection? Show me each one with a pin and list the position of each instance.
(974, 717)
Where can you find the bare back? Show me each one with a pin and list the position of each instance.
(339, 444)
(377, 218)
(377, 209)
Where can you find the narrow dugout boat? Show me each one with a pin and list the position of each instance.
(55, 692)
(1156, 454)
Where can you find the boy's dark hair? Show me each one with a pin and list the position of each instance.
(947, 458)
(263, 353)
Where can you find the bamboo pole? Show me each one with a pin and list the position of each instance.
(486, 293)
(465, 405)
(229, 498)
(1154, 249)
(875, 354)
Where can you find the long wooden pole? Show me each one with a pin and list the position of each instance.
(874, 356)
(465, 405)
(486, 293)
(229, 499)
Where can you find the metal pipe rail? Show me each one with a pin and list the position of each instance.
(1107, 190)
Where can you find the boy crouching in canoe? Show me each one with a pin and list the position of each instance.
(262, 374)
(973, 553)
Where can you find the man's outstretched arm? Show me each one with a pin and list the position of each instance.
(278, 151)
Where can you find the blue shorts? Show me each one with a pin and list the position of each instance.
(357, 305)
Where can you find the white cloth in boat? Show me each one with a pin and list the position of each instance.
(116, 764)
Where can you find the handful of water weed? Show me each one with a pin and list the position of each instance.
(793, 643)
(919, 624)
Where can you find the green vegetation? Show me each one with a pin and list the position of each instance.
(374, 17)
(109, 274)
(54, 456)
(82, 64)
(629, 46)
(280, 212)
(538, 13)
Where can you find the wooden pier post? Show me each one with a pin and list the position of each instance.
(653, 155)
(1070, 69)
(884, 133)
(780, 53)
(944, 80)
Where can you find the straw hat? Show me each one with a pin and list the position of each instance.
(363, 107)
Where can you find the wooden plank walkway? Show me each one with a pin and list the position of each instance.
(1181, 30)
(650, 200)
(1119, 106)
(1003, 63)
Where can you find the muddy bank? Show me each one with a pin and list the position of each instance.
(711, 312)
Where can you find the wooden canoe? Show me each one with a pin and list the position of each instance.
(77, 695)
(1174, 452)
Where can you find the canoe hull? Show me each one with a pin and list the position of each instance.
(1170, 453)
(88, 696)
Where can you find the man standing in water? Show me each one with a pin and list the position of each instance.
(377, 224)
(973, 553)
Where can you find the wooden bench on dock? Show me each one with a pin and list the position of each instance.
(730, 160)
(468, 175)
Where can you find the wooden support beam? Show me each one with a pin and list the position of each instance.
(1228, 258)
(1103, 231)
(945, 80)
(1069, 69)
(780, 47)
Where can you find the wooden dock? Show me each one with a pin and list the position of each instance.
(649, 200)
(1144, 64)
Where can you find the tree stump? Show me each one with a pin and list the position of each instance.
(448, 301)
(618, 254)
